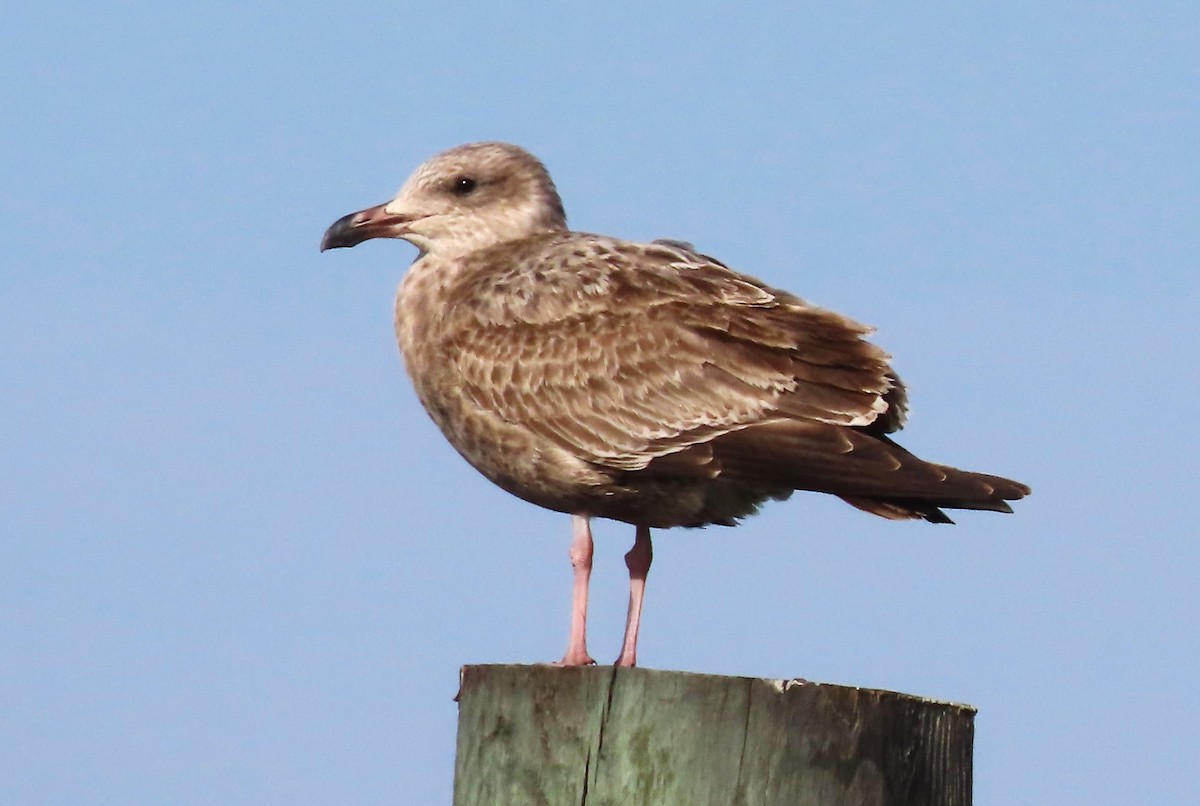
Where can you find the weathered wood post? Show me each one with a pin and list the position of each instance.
(641, 737)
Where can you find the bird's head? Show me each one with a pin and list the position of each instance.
(464, 199)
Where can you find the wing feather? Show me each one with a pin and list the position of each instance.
(621, 353)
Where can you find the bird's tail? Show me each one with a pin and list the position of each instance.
(868, 471)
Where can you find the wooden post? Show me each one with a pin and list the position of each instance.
(621, 737)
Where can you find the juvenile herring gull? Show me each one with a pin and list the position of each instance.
(642, 382)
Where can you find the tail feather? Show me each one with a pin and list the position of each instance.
(867, 470)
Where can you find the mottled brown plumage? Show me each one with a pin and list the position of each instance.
(646, 383)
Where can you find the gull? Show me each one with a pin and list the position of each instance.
(641, 382)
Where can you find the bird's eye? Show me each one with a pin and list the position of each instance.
(464, 186)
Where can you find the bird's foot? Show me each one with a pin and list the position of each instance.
(575, 658)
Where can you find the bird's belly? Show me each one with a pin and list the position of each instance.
(541, 472)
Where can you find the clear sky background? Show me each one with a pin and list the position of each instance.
(239, 565)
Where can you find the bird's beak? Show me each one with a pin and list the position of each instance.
(374, 222)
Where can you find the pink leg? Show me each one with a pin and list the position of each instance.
(581, 561)
(638, 562)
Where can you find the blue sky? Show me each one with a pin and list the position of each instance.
(239, 565)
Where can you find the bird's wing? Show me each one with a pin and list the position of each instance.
(622, 352)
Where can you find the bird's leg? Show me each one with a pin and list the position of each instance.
(638, 562)
(581, 562)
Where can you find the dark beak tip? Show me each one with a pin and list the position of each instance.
(341, 233)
